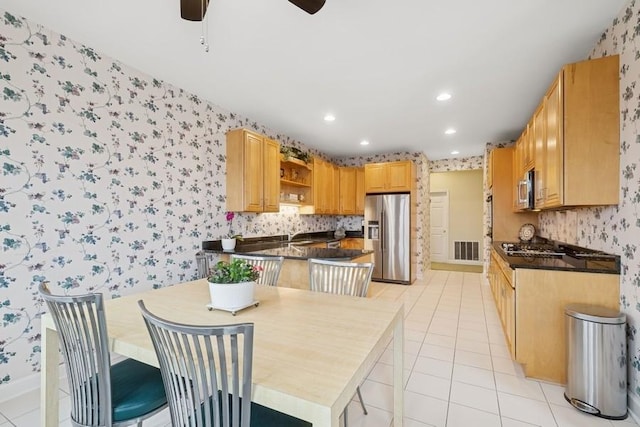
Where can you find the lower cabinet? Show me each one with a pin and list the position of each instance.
(352, 243)
(504, 294)
(531, 304)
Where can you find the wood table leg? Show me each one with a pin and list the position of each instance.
(49, 377)
(398, 370)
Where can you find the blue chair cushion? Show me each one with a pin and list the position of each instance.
(261, 416)
(136, 389)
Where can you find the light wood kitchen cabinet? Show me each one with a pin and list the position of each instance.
(296, 182)
(504, 294)
(352, 243)
(541, 296)
(335, 194)
(524, 154)
(325, 182)
(531, 305)
(390, 177)
(347, 190)
(505, 221)
(360, 193)
(253, 164)
(577, 137)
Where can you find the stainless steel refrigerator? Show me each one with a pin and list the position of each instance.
(387, 220)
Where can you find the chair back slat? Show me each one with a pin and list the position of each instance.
(341, 278)
(270, 267)
(82, 328)
(200, 368)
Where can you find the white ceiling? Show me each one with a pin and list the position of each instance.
(377, 65)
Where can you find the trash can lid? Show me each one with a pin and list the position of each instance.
(595, 313)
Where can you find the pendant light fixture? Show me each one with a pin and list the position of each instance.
(309, 6)
(193, 10)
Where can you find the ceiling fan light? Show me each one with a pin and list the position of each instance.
(309, 6)
(191, 10)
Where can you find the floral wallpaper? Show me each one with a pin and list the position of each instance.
(457, 164)
(111, 180)
(617, 229)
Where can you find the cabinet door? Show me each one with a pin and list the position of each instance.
(253, 172)
(271, 176)
(375, 178)
(347, 180)
(360, 194)
(399, 176)
(528, 149)
(539, 141)
(317, 185)
(510, 317)
(335, 194)
(553, 157)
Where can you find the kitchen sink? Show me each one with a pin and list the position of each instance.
(301, 242)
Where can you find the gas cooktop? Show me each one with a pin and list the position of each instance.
(531, 249)
(548, 250)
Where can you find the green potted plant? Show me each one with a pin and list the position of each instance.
(232, 285)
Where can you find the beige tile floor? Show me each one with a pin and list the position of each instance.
(458, 372)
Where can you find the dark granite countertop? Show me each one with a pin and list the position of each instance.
(607, 263)
(280, 246)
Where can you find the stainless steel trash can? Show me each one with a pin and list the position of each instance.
(596, 360)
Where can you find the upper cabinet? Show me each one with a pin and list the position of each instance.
(322, 186)
(253, 164)
(347, 191)
(296, 182)
(360, 193)
(390, 177)
(577, 137)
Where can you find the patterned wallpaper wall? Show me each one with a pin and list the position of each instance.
(111, 180)
(616, 229)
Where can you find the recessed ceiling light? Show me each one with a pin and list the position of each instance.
(443, 96)
(450, 131)
(329, 118)
(454, 152)
(364, 142)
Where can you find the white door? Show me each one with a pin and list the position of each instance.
(439, 226)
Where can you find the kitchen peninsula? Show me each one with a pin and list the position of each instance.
(295, 270)
(532, 283)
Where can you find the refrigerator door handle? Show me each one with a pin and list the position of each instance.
(383, 240)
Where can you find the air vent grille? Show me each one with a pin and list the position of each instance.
(467, 250)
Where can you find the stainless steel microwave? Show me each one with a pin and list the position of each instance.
(525, 191)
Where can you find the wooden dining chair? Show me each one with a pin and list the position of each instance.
(341, 278)
(270, 267)
(101, 394)
(207, 372)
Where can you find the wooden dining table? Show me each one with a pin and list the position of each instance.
(311, 349)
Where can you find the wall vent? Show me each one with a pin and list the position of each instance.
(467, 251)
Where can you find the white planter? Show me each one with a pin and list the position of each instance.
(228, 244)
(231, 296)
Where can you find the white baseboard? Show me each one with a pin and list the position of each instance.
(633, 403)
(31, 382)
(24, 385)
(461, 261)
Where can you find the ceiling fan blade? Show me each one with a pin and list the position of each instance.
(191, 10)
(309, 6)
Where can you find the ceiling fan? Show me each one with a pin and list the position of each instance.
(194, 10)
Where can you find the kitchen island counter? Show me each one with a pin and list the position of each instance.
(295, 270)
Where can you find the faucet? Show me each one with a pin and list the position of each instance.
(293, 235)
